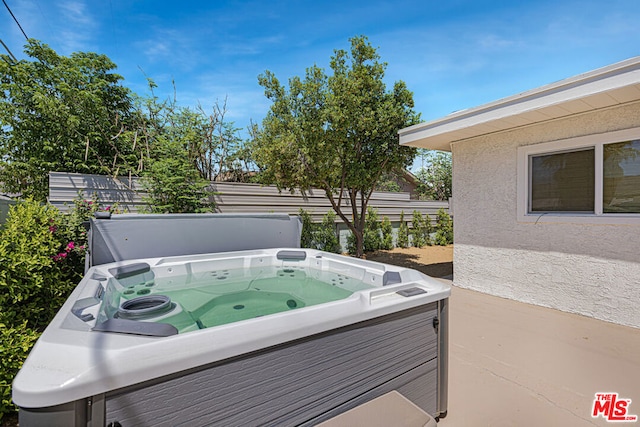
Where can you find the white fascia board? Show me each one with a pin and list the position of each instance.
(501, 114)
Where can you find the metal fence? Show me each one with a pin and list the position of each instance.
(5, 204)
(230, 197)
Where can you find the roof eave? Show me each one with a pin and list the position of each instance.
(602, 88)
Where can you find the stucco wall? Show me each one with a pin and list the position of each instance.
(590, 269)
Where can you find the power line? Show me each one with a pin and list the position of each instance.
(15, 19)
(11, 55)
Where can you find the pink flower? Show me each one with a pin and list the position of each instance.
(60, 256)
(70, 246)
(53, 228)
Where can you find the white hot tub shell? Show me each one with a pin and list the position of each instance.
(299, 366)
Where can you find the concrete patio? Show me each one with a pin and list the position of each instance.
(515, 364)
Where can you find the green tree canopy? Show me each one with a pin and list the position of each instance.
(172, 182)
(73, 114)
(212, 143)
(337, 133)
(435, 175)
(61, 113)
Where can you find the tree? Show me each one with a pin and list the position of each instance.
(372, 231)
(323, 236)
(444, 233)
(187, 150)
(403, 233)
(211, 144)
(435, 177)
(389, 182)
(337, 133)
(326, 236)
(69, 114)
(223, 155)
(308, 230)
(418, 230)
(387, 234)
(172, 182)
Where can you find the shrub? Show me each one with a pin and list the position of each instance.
(41, 261)
(38, 265)
(372, 232)
(427, 230)
(321, 236)
(351, 244)
(387, 234)
(34, 271)
(403, 233)
(326, 235)
(308, 229)
(15, 344)
(173, 184)
(444, 233)
(422, 229)
(418, 230)
(79, 214)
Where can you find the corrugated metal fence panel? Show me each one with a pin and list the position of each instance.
(243, 188)
(5, 204)
(64, 188)
(230, 197)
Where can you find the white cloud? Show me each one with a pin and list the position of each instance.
(75, 13)
(75, 27)
(494, 42)
(250, 45)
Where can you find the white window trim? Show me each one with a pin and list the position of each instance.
(597, 141)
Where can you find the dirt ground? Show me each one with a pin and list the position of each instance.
(435, 261)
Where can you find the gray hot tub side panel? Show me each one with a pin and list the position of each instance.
(442, 331)
(302, 382)
(128, 237)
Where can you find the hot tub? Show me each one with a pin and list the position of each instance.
(275, 336)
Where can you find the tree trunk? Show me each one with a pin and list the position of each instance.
(357, 225)
(359, 234)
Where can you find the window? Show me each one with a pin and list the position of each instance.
(563, 182)
(589, 179)
(621, 181)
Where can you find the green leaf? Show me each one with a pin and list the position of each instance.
(336, 131)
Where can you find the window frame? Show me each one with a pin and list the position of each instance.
(595, 141)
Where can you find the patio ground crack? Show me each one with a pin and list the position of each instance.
(540, 395)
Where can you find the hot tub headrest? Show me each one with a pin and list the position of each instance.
(135, 236)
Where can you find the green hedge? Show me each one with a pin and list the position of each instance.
(444, 231)
(323, 236)
(403, 233)
(41, 261)
(15, 344)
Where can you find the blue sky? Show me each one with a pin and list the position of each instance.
(453, 54)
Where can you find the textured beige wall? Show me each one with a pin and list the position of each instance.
(590, 269)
